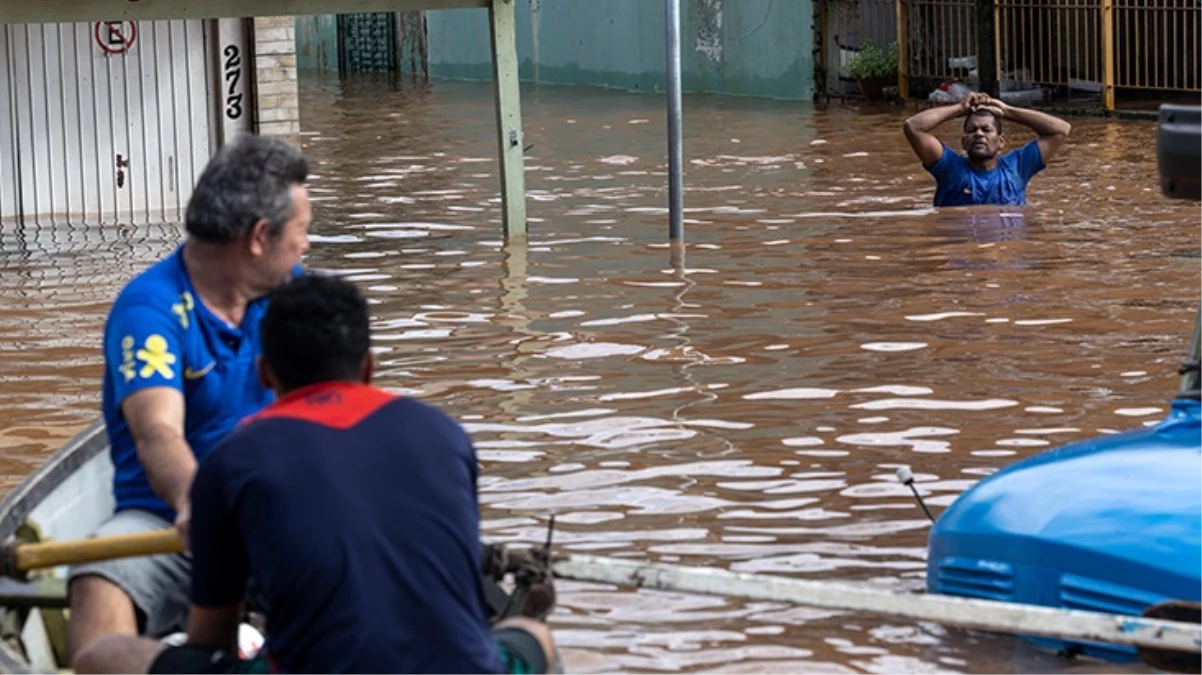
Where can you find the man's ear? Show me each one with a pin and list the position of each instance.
(258, 237)
(366, 367)
(266, 377)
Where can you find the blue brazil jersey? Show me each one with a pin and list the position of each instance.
(159, 334)
(958, 184)
(356, 513)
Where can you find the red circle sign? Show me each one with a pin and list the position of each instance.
(115, 37)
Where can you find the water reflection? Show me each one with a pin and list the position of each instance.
(740, 401)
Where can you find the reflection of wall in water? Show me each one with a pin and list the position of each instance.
(986, 227)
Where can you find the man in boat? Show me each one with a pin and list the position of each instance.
(180, 345)
(354, 510)
(983, 175)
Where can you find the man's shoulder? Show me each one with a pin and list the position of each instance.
(332, 404)
(364, 408)
(410, 410)
(241, 443)
(1013, 156)
(156, 287)
(949, 164)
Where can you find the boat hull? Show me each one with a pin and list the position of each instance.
(65, 498)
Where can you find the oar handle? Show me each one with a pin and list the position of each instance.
(24, 557)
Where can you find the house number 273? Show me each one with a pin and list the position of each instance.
(233, 75)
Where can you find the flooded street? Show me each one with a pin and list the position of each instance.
(743, 403)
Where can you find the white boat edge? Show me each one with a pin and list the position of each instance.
(66, 497)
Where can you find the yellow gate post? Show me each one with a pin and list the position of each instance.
(903, 52)
(1108, 54)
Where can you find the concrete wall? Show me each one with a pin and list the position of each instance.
(747, 47)
(277, 104)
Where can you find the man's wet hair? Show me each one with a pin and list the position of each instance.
(248, 179)
(997, 121)
(316, 329)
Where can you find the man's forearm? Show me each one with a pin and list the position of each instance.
(1041, 123)
(169, 466)
(930, 118)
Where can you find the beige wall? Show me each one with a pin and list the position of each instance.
(277, 108)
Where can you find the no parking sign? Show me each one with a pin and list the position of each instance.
(115, 37)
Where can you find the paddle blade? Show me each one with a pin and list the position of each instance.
(1169, 660)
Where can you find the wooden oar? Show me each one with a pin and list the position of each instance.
(990, 615)
(1158, 640)
(17, 558)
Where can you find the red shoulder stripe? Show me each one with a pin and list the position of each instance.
(339, 405)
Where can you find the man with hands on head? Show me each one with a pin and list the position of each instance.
(984, 175)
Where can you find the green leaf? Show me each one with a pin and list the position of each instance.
(872, 62)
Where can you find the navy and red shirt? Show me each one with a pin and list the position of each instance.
(356, 512)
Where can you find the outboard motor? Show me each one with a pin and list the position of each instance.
(1111, 524)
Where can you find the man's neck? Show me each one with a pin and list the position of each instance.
(284, 393)
(215, 275)
(983, 164)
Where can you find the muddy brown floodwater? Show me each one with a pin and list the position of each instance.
(745, 407)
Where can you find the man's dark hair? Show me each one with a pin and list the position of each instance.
(248, 179)
(316, 329)
(997, 121)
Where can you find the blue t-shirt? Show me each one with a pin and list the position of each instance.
(958, 184)
(356, 514)
(159, 334)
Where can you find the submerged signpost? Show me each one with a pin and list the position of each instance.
(675, 147)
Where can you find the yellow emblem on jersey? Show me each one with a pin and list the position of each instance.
(183, 308)
(127, 368)
(190, 374)
(156, 358)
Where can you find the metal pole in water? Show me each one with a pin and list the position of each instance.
(675, 146)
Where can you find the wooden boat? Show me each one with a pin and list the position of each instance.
(64, 499)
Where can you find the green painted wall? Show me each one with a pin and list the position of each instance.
(745, 47)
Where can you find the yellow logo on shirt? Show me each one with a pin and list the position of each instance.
(183, 308)
(154, 356)
(127, 358)
(190, 374)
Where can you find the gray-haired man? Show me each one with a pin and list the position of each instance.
(180, 345)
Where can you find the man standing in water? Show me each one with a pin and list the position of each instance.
(984, 176)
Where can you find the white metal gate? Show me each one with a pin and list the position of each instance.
(108, 122)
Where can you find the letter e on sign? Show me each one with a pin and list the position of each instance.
(115, 37)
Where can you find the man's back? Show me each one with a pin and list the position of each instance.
(358, 513)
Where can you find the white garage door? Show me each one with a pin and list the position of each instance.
(106, 122)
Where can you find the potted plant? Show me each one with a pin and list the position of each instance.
(873, 68)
